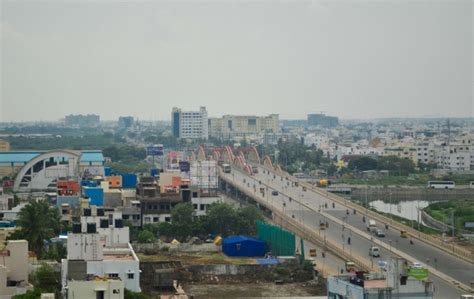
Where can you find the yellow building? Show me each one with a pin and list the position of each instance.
(4, 145)
(405, 152)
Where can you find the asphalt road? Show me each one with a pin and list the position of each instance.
(358, 246)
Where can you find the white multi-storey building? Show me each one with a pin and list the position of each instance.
(456, 156)
(242, 126)
(190, 124)
(99, 246)
(425, 152)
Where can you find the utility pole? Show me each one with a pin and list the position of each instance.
(452, 228)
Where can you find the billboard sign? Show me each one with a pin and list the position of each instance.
(155, 150)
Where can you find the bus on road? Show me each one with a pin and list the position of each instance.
(441, 184)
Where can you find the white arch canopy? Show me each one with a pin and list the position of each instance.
(41, 171)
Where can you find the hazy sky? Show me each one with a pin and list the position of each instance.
(353, 59)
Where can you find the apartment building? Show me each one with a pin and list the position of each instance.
(405, 152)
(242, 126)
(425, 152)
(456, 156)
(99, 246)
(14, 269)
(189, 124)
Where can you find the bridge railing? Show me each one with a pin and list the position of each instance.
(434, 241)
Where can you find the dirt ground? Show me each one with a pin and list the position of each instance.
(198, 258)
(261, 290)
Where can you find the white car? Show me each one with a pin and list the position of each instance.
(417, 265)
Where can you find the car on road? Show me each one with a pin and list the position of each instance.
(380, 233)
(374, 251)
(274, 193)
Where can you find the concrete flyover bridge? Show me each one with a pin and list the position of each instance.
(303, 209)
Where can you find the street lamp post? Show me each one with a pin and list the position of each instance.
(390, 206)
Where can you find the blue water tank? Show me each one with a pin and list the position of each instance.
(129, 180)
(95, 194)
(107, 171)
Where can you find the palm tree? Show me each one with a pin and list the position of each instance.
(39, 222)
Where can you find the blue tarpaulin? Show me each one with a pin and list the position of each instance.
(271, 261)
(243, 246)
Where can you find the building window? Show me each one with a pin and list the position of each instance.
(195, 206)
(113, 275)
(156, 219)
(202, 207)
(130, 275)
(167, 219)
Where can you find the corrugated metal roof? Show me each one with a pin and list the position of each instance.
(23, 157)
(92, 156)
(8, 157)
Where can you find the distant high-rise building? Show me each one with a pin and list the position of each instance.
(82, 120)
(322, 120)
(232, 126)
(189, 124)
(125, 121)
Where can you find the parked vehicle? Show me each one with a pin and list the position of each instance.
(274, 193)
(312, 252)
(403, 234)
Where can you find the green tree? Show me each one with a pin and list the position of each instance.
(133, 295)
(38, 222)
(146, 236)
(363, 164)
(46, 279)
(165, 229)
(56, 251)
(182, 213)
(221, 219)
(33, 294)
(396, 165)
(246, 219)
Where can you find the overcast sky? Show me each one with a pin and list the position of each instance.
(352, 59)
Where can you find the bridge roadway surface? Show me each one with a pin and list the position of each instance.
(359, 247)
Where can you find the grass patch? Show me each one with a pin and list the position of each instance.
(463, 212)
